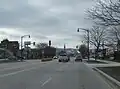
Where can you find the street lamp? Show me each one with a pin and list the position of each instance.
(87, 30)
(22, 42)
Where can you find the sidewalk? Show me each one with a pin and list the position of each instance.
(108, 64)
(109, 72)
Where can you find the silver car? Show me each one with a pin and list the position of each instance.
(78, 58)
(63, 58)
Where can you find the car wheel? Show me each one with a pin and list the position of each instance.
(68, 59)
(59, 60)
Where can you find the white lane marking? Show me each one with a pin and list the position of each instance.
(49, 79)
(13, 73)
(21, 66)
(17, 67)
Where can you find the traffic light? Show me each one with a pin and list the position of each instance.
(77, 47)
(33, 43)
(49, 42)
(29, 36)
(78, 30)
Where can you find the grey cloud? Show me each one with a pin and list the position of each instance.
(24, 15)
(17, 16)
(69, 2)
(39, 36)
(53, 17)
(14, 36)
(3, 33)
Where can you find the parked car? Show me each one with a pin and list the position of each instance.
(20, 58)
(55, 57)
(78, 58)
(63, 58)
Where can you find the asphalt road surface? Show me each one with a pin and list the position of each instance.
(49, 75)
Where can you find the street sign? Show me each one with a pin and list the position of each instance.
(27, 43)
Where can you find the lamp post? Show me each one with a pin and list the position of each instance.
(22, 42)
(104, 50)
(87, 30)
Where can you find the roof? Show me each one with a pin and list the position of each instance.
(13, 41)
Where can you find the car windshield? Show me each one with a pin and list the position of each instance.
(59, 44)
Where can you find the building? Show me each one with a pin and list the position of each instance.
(49, 51)
(12, 46)
(36, 53)
(44, 52)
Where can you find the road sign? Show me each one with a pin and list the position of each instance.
(27, 43)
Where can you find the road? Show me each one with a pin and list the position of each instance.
(49, 75)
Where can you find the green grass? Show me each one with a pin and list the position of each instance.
(112, 71)
(95, 61)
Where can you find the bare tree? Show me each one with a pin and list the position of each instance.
(106, 13)
(114, 35)
(97, 36)
(41, 45)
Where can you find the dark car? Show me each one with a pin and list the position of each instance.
(20, 58)
(78, 58)
(63, 58)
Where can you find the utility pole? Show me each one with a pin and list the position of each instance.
(88, 45)
(104, 51)
(21, 45)
(88, 40)
(22, 42)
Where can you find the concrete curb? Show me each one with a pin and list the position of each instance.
(114, 82)
(47, 59)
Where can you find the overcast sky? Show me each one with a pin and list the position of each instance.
(44, 20)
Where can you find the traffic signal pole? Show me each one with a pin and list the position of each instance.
(88, 40)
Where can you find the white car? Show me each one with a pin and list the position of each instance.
(78, 57)
(63, 58)
(55, 57)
